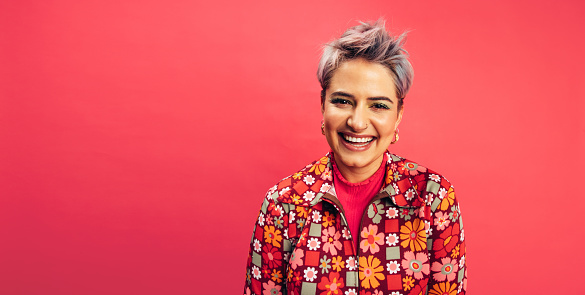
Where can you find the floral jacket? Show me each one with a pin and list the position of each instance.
(411, 239)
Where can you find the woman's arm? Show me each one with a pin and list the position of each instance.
(269, 248)
(447, 246)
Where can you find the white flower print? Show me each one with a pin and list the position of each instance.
(409, 195)
(316, 217)
(309, 180)
(462, 261)
(430, 198)
(428, 228)
(462, 238)
(310, 274)
(395, 186)
(308, 196)
(284, 190)
(442, 193)
(261, 219)
(256, 272)
(393, 267)
(313, 244)
(257, 245)
(345, 233)
(271, 191)
(325, 188)
(286, 256)
(392, 240)
(435, 178)
(350, 292)
(351, 263)
(291, 216)
(392, 212)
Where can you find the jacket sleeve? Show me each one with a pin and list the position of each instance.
(269, 250)
(446, 243)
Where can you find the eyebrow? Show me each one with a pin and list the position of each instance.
(375, 98)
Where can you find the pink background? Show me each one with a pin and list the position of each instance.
(137, 138)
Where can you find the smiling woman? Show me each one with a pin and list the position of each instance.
(397, 219)
(360, 116)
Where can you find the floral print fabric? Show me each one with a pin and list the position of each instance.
(411, 238)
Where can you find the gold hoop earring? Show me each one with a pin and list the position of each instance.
(396, 137)
(322, 127)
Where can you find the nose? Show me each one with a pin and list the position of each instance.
(358, 120)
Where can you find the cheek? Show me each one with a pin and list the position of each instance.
(385, 127)
(332, 120)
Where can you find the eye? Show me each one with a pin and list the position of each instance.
(340, 101)
(379, 105)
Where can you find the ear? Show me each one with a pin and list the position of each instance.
(322, 102)
(399, 118)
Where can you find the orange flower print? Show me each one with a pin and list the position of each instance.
(447, 199)
(419, 289)
(445, 288)
(301, 211)
(276, 276)
(296, 199)
(455, 252)
(319, 166)
(331, 285)
(413, 235)
(370, 272)
(338, 263)
(371, 239)
(389, 178)
(407, 283)
(272, 235)
(328, 219)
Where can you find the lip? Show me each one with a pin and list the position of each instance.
(353, 147)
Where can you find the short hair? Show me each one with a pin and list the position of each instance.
(373, 43)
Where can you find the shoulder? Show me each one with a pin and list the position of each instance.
(411, 183)
(403, 168)
(306, 186)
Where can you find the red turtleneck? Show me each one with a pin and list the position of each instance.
(354, 197)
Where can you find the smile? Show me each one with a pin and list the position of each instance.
(357, 142)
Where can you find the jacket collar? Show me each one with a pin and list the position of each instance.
(315, 182)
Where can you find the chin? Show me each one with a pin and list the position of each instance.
(356, 161)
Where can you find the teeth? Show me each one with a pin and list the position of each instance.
(358, 140)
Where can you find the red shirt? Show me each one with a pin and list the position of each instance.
(354, 197)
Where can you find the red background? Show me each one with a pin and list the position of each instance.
(137, 138)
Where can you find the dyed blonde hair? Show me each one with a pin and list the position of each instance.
(373, 43)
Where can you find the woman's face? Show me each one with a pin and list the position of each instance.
(360, 113)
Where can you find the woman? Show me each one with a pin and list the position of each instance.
(360, 220)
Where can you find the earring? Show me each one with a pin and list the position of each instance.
(322, 127)
(396, 137)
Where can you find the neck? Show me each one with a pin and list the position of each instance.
(358, 174)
